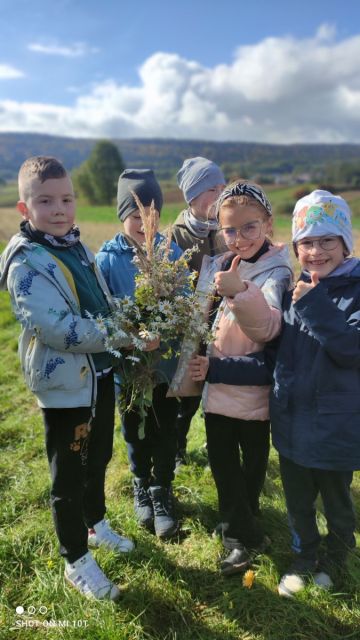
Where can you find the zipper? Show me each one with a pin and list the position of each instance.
(93, 379)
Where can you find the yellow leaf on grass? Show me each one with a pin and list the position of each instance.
(248, 579)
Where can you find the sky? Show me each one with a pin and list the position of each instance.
(265, 71)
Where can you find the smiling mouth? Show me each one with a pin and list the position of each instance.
(244, 248)
(319, 262)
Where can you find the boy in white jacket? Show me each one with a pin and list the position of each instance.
(53, 281)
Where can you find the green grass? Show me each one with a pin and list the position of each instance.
(281, 198)
(171, 591)
(8, 194)
(87, 213)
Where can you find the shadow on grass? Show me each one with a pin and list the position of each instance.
(198, 456)
(222, 609)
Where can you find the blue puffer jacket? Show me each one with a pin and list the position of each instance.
(115, 263)
(315, 400)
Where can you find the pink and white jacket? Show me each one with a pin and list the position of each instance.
(243, 324)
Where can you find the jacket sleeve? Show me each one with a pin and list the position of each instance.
(42, 309)
(258, 311)
(253, 369)
(257, 319)
(338, 335)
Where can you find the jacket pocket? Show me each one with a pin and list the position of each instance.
(47, 369)
(338, 402)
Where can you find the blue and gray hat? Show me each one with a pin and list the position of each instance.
(321, 213)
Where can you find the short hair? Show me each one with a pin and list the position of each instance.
(40, 167)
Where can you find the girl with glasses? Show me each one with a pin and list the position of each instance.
(251, 278)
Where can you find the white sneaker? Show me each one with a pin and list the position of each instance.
(323, 580)
(103, 535)
(290, 584)
(86, 576)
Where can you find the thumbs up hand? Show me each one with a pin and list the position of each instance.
(228, 283)
(303, 287)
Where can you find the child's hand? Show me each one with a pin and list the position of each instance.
(228, 283)
(303, 287)
(151, 345)
(198, 368)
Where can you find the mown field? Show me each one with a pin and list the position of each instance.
(171, 591)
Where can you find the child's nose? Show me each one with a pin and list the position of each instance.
(316, 248)
(58, 206)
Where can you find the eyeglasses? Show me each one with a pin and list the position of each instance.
(248, 231)
(327, 244)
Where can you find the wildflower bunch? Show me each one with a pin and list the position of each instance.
(164, 306)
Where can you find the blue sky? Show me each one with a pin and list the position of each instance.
(226, 70)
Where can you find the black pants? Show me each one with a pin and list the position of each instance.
(78, 451)
(302, 485)
(187, 409)
(154, 455)
(238, 452)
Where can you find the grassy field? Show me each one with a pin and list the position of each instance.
(171, 591)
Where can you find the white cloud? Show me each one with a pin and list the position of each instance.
(8, 72)
(277, 90)
(75, 50)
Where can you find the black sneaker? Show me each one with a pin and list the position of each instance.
(165, 522)
(142, 503)
(238, 561)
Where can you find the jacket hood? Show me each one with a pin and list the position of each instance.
(118, 244)
(16, 243)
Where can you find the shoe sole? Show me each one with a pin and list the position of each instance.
(168, 534)
(146, 524)
(235, 568)
(91, 597)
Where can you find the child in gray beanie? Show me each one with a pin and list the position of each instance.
(201, 182)
(144, 184)
(152, 459)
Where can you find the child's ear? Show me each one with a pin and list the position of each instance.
(22, 208)
(269, 226)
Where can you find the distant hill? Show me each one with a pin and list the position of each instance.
(165, 156)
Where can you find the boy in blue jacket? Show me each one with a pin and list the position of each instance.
(152, 459)
(315, 398)
(53, 281)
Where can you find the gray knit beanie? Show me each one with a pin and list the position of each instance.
(198, 175)
(144, 184)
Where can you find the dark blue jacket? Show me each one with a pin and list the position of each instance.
(315, 398)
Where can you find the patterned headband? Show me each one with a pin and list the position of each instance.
(244, 189)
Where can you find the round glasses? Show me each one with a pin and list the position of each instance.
(248, 231)
(327, 244)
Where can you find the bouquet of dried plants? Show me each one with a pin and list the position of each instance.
(163, 306)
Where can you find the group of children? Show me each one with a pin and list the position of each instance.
(281, 354)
